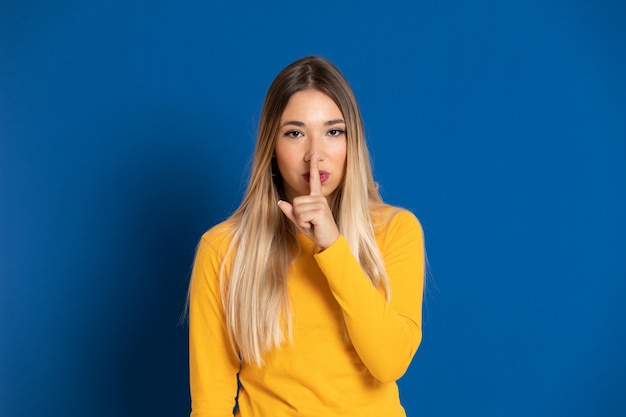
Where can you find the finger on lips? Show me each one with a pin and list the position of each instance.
(315, 183)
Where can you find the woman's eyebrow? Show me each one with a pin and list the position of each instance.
(293, 122)
(301, 124)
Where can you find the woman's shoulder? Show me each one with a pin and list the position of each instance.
(385, 215)
(397, 227)
(219, 236)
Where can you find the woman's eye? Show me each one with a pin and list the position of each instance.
(336, 132)
(293, 134)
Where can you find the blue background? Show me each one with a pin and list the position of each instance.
(126, 130)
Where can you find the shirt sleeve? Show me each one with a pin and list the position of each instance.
(385, 335)
(213, 365)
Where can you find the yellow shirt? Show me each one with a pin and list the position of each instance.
(322, 372)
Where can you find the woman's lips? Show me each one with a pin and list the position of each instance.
(324, 175)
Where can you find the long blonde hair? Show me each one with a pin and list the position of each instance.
(263, 241)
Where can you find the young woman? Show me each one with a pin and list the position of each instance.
(306, 301)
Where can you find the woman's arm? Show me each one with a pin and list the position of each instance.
(213, 365)
(386, 335)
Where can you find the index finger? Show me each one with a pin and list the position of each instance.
(314, 176)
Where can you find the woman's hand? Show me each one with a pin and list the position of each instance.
(311, 213)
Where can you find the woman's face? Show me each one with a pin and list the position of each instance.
(311, 124)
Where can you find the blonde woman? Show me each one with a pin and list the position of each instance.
(306, 301)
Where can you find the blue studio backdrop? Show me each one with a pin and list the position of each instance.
(126, 129)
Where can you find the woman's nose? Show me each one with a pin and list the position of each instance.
(314, 147)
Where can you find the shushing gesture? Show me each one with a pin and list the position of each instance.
(311, 213)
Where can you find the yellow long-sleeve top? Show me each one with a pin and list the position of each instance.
(322, 372)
